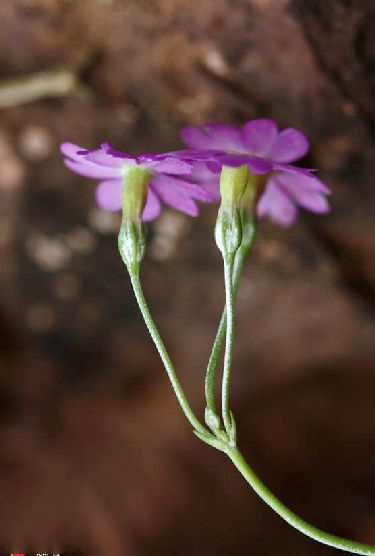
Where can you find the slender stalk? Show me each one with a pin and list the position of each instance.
(290, 517)
(189, 414)
(209, 385)
(229, 302)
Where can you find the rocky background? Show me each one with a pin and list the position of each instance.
(95, 457)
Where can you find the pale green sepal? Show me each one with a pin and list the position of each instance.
(212, 419)
(232, 186)
(131, 239)
(232, 433)
(228, 229)
(134, 192)
(228, 233)
(132, 244)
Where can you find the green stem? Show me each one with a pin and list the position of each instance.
(142, 303)
(290, 517)
(209, 385)
(229, 303)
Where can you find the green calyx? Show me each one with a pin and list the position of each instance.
(134, 192)
(235, 226)
(131, 239)
(232, 186)
(247, 211)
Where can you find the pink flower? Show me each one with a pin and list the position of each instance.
(168, 178)
(266, 150)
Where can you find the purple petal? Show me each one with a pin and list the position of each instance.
(195, 138)
(105, 155)
(170, 165)
(301, 180)
(109, 150)
(257, 165)
(276, 204)
(309, 199)
(214, 167)
(293, 169)
(212, 186)
(290, 145)
(224, 136)
(189, 155)
(149, 157)
(205, 170)
(175, 196)
(108, 194)
(102, 158)
(213, 136)
(187, 188)
(152, 208)
(90, 170)
(259, 136)
(195, 191)
(70, 150)
(315, 202)
(207, 180)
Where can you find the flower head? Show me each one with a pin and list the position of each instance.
(168, 178)
(266, 150)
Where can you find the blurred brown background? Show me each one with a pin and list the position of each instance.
(95, 456)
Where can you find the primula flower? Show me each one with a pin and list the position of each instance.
(266, 150)
(110, 167)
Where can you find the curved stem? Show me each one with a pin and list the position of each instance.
(229, 302)
(142, 303)
(290, 517)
